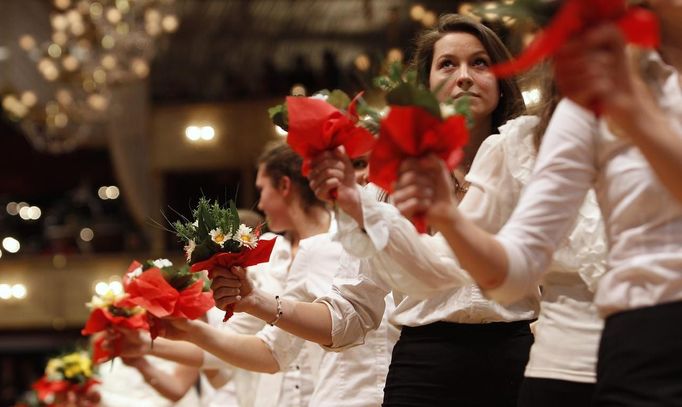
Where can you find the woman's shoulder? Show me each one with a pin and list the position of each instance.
(513, 148)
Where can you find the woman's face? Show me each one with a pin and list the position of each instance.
(461, 65)
(361, 168)
(272, 202)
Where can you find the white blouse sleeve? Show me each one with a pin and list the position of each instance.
(419, 265)
(356, 303)
(564, 172)
(396, 254)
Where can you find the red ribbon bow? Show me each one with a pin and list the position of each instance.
(153, 293)
(245, 258)
(101, 319)
(316, 126)
(410, 131)
(639, 26)
(60, 388)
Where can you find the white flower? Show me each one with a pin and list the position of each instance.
(96, 302)
(246, 237)
(104, 301)
(219, 237)
(447, 110)
(189, 248)
(162, 263)
(135, 273)
(320, 96)
(196, 223)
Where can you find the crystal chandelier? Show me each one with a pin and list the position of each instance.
(95, 45)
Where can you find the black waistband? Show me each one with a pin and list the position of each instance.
(442, 328)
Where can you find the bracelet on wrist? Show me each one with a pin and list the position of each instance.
(278, 315)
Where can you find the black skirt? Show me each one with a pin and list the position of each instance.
(640, 358)
(542, 392)
(449, 364)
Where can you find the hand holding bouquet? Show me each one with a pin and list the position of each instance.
(216, 238)
(109, 311)
(324, 122)
(167, 291)
(416, 125)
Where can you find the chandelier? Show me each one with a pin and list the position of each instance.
(95, 45)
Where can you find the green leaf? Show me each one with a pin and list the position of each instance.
(201, 252)
(279, 116)
(410, 95)
(463, 107)
(234, 217)
(339, 99)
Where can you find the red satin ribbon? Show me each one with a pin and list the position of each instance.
(639, 26)
(316, 126)
(44, 388)
(410, 131)
(153, 293)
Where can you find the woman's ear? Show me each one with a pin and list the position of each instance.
(284, 185)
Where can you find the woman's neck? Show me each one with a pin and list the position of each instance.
(479, 132)
(309, 223)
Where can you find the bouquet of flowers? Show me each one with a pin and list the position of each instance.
(416, 125)
(564, 19)
(112, 310)
(325, 121)
(164, 290)
(215, 237)
(68, 380)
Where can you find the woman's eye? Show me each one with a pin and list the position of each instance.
(445, 64)
(359, 164)
(481, 62)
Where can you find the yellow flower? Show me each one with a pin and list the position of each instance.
(54, 367)
(246, 237)
(218, 236)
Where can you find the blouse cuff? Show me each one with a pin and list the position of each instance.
(515, 285)
(341, 340)
(367, 241)
(284, 346)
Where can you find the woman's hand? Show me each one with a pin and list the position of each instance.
(595, 70)
(231, 287)
(133, 343)
(334, 170)
(424, 187)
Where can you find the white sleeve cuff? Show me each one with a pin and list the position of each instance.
(365, 242)
(341, 340)
(516, 285)
(284, 346)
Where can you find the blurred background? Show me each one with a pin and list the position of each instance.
(114, 111)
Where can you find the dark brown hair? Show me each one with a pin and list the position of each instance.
(550, 100)
(279, 161)
(511, 103)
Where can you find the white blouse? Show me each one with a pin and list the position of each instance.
(643, 221)
(122, 385)
(394, 258)
(352, 378)
(246, 388)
